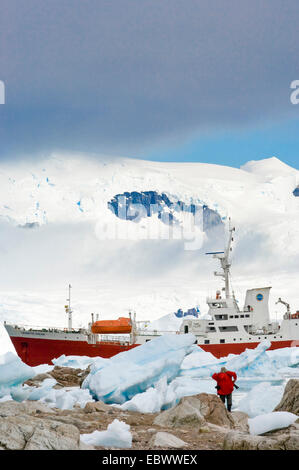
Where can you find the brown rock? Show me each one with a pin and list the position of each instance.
(97, 406)
(196, 410)
(287, 439)
(166, 440)
(37, 380)
(67, 376)
(14, 408)
(290, 399)
(30, 433)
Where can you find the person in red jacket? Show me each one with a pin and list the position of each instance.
(225, 385)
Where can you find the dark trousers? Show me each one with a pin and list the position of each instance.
(228, 399)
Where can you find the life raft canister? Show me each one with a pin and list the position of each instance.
(121, 325)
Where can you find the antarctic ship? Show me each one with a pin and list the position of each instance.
(227, 328)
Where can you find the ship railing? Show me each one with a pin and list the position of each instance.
(21, 326)
(148, 332)
(114, 339)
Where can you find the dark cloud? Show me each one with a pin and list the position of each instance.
(118, 75)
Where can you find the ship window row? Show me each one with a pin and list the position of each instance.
(223, 328)
(225, 317)
(207, 341)
(239, 316)
(228, 328)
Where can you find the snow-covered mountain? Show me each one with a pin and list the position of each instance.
(59, 225)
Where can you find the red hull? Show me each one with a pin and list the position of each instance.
(34, 351)
(222, 350)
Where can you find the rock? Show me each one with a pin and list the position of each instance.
(67, 376)
(240, 421)
(185, 413)
(30, 433)
(37, 380)
(13, 408)
(97, 406)
(290, 399)
(166, 440)
(204, 429)
(196, 410)
(287, 439)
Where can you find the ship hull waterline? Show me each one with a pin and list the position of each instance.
(36, 351)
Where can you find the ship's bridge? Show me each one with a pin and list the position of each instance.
(219, 306)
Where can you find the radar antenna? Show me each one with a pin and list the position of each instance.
(224, 257)
(69, 311)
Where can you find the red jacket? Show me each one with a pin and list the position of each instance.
(225, 380)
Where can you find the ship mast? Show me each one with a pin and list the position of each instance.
(224, 257)
(69, 311)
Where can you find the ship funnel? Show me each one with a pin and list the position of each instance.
(256, 302)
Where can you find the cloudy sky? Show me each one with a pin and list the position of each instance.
(165, 80)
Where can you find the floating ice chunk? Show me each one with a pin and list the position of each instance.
(251, 362)
(150, 401)
(284, 357)
(20, 393)
(65, 399)
(262, 398)
(188, 386)
(163, 395)
(134, 371)
(76, 362)
(271, 421)
(42, 368)
(117, 435)
(38, 393)
(13, 372)
(6, 398)
(198, 358)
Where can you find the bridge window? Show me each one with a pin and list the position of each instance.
(228, 328)
(207, 341)
(221, 317)
(222, 341)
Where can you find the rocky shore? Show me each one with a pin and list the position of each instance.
(198, 422)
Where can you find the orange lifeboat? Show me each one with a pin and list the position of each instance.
(121, 325)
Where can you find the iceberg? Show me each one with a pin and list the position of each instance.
(134, 371)
(150, 401)
(75, 362)
(117, 435)
(13, 372)
(270, 422)
(163, 396)
(64, 398)
(284, 357)
(250, 363)
(261, 399)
